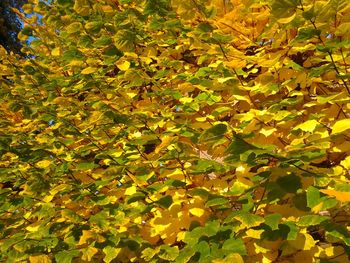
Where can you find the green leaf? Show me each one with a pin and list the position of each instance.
(211, 228)
(168, 253)
(273, 221)
(149, 253)
(86, 166)
(237, 147)
(307, 33)
(74, 27)
(290, 183)
(235, 246)
(185, 255)
(249, 220)
(94, 26)
(110, 253)
(216, 201)
(284, 8)
(312, 196)
(135, 197)
(292, 230)
(214, 133)
(66, 256)
(203, 248)
(311, 220)
(165, 201)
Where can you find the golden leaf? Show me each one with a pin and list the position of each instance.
(88, 70)
(39, 259)
(124, 65)
(88, 253)
(341, 126)
(197, 211)
(341, 196)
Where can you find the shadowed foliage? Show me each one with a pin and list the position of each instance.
(10, 25)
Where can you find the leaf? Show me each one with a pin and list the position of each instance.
(273, 221)
(123, 65)
(234, 257)
(216, 201)
(40, 259)
(168, 253)
(86, 235)
(343, 29)
(88, 253)
(341, 196)
(86, 166)
(346, 162)
(214, 133)
(308, 126)
(290, 183)
(74, 27)
(249, 220)
(56, 52)
(89, 70)
(203, 248)
(110, 253)
(185, 255)
(149, 253)
(94, 26)
(237, 147)
(341, 126)
(196, 211)
(284, 8)
(165, 201)
(311, 220)
(43, 164)
(235, 246)
(66, 256)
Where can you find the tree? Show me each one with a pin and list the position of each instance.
(10, 25)
(177, 131)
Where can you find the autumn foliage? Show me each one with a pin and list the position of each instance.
(177, 131)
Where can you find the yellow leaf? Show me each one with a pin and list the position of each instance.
(124, 65)
(165, 142)
(303, 242)
(341, 196)
(131, 190)
(88, 253)
(286, 20)
(39, 259)
(308, 126)
(197, 211)
(235, 257)
(3, 51)
(110, 253)
(85, 236)
(74, 27)
(267, 131)
(81, 7)
(343, 29)
(43, 164)
(185, 100)
(346, 162)
(88, 70)
(254, 233)
(56, 52)
(33, 227)
(341, 126)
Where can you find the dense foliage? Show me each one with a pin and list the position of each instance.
(177, 131)
(10, 25)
